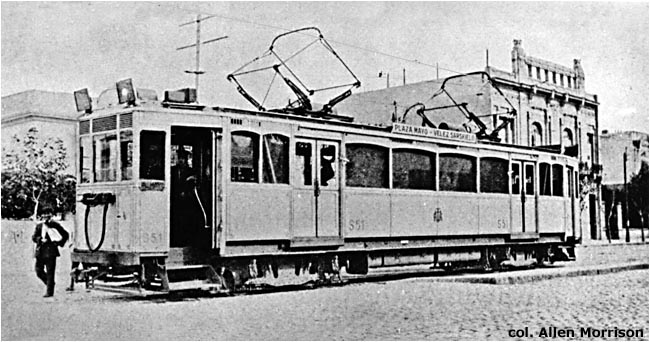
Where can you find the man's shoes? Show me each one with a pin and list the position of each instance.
(47, 295)
(69, 288)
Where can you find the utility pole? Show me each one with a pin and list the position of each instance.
(626, 221)
(403, 76)
(197, 71)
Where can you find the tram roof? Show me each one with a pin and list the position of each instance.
(329, 119)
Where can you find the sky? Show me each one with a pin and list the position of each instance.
(66, 46)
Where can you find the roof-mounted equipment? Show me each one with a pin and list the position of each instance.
(277, 62)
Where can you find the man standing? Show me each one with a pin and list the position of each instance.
(48, 236)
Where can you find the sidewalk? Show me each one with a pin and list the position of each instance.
(635, 238)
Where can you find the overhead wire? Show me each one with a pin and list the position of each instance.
(415, 61)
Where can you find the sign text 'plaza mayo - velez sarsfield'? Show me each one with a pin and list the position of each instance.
(433, 132)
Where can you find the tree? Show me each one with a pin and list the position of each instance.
(33, 176)
(638, 194)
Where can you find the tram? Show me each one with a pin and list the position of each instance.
(177, 195)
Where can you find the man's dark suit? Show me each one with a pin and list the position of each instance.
(46, 253)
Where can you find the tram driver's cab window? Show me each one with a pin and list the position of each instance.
(105, 155)
(152, 155)
(126, 154)
(244, 157)
(85, 159)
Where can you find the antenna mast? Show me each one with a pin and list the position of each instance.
(197, 71)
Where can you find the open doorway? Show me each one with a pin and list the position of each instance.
(192, 178)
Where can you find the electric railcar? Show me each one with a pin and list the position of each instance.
(176, 193)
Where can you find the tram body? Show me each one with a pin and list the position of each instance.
(274, 191)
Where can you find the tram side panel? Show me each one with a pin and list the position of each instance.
(106, 226)
(494, 214)
(258, 212)
(152, 232)
(368, 212)
(415, 213)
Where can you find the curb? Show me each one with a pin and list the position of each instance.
(614, 244)
(539, 275)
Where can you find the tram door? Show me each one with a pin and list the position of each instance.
(316, 191)
(192, 187)
(524, 219)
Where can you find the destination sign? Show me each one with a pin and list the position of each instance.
(433, 132)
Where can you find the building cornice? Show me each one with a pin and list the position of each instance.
(26, 116)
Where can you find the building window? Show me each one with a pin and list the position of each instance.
(105, 156)
(539, 77)
(562, 80)
(494, 175)
(568, 81)
(413, 169)
(545, 75)
(457, 173)
(367, 166)
(530, 70)
(554, 78)
(244, 157)
(152, 155)
(275, 160)
(536, 135)
(567, 137)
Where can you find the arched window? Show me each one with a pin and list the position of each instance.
(536, 134)
(367, 166)
(244, 157)
(567, 138)
(275, 159)
(457, 173)
(494, 175)
(413, 169)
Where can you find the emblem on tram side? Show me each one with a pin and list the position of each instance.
(437, 215)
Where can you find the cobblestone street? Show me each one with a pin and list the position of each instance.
(409, 309)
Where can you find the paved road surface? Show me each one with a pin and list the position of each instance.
(411, 309)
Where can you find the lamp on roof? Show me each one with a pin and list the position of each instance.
(82, 101)
(125, 92)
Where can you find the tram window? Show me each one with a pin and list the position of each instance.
(558, 181)
(152, 155)
(515, 179)
(105, 155)
(304, 159)
(275, 160)
(126, 154)
(413, 170)
(530, 179)
(569, 178)
(457, 173)
(85, 159)
(577, 182)
(494, 175)
(244, 158)
(545, 179)
(327, 164)
(367, 166)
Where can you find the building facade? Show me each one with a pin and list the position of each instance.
(622, 155)
(53, 114)
(552, 109)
